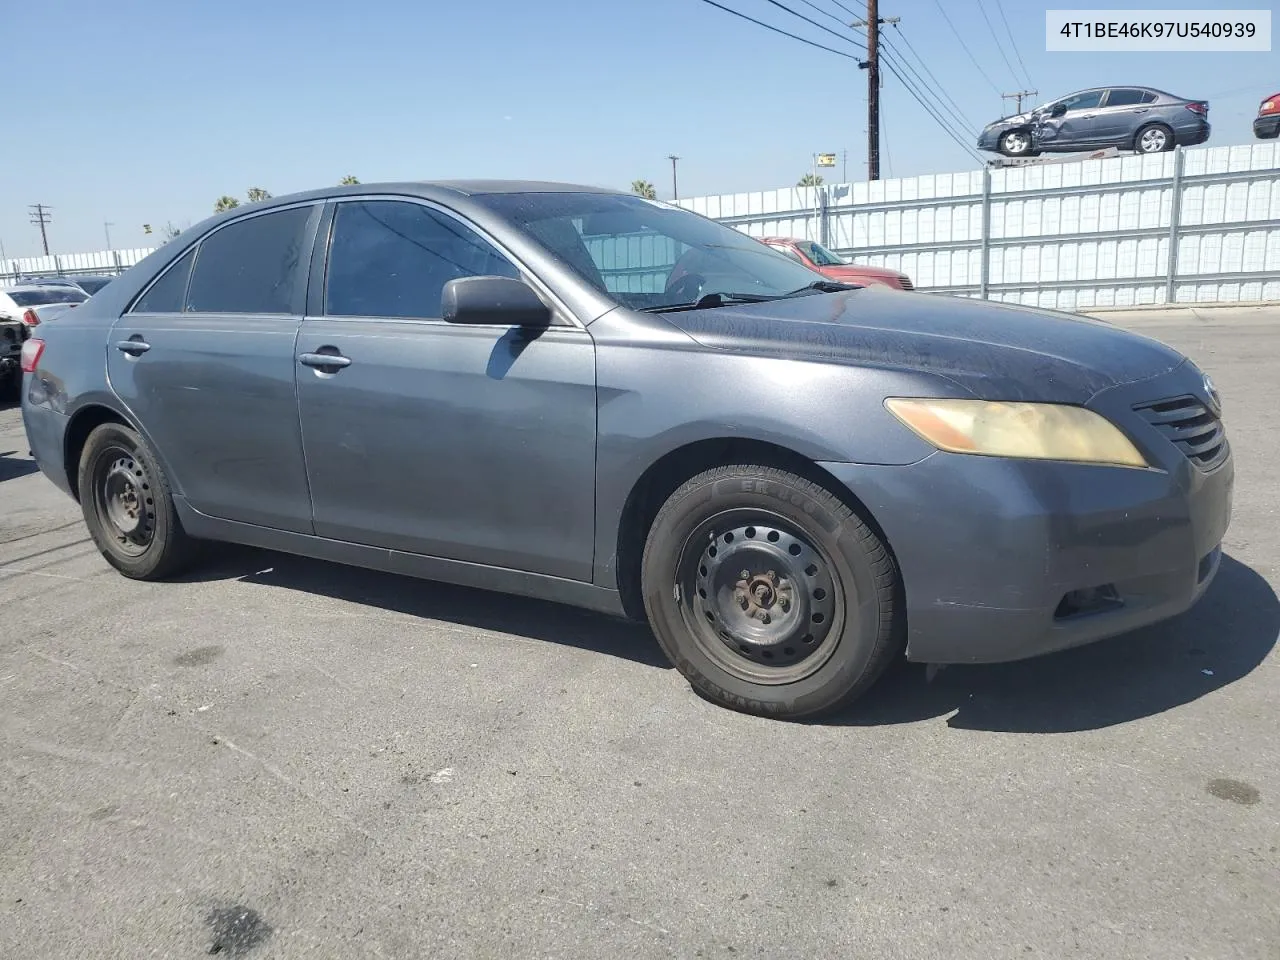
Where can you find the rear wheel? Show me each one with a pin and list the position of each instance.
(1154, 138)
(10, 387)
(125, 499)
(769, 593)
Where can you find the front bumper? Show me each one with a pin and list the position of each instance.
(1267, 128)
(1000, 558)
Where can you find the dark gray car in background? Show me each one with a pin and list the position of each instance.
(1128, 118)
(587, 396)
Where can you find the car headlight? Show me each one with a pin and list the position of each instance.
(1037, 431)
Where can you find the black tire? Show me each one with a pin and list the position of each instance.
(1140, 138)
(10, 388)
(125, 499)
(1022, 150)
(794, 645)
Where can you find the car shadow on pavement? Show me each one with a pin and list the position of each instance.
(463, 606)
(1219, 641)
(12, 467)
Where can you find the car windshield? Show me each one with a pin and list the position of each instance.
(649, 255)
(819, 254)
(92, 285)
(37, 298)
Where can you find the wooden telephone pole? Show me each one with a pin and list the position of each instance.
(872, 66)
(1020, 95)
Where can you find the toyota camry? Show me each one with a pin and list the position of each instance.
(587, 396)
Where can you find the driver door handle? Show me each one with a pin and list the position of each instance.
(321, 360)
(135, 346)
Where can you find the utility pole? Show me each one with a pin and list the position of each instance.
(872, 66)
(40, 215)
(106, 228)
(1019, 95)
(675, 192)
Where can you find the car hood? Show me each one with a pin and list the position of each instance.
(1016, 120)
(993, 351)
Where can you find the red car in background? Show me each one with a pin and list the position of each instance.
(1266, 126)
(817, 257)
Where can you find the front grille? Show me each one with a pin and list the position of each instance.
(1193, 428)
(907, 284)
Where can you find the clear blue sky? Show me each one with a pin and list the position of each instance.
(143, 111)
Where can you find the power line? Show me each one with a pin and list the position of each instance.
(982, 7)
(783, 6)
(937, 84)
(915, 95)
(848, 11)
(824, 11)
(1014, 43)
(937, 4)
(767, 26)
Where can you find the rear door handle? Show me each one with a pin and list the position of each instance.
(135, 346)
(324, 361)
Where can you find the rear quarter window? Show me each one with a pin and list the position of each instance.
(168, 293)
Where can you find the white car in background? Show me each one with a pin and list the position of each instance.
(36, 303)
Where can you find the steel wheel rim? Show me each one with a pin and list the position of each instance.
(1153, 141)
(763, 629)
(1016, 142)
(123, 497)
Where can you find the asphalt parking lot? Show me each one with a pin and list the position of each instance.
(282, 758)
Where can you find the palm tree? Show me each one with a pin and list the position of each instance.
(257, 195)
(810, 180)
(225, 203)
(644, 188)
(348, 181)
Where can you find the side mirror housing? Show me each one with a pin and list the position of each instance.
(498, 301)
(1058, 110)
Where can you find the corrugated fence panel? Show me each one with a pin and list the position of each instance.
(1069, 235)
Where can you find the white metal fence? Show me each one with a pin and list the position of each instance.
(1197, 225)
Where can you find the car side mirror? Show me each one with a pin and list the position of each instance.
(1058, 110)
(498, 301)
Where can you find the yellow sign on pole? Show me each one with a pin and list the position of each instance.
(826, 159)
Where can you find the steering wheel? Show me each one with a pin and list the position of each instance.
(687, 289)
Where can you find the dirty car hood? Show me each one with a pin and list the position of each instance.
(994, 351)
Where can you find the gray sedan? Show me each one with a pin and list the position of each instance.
(586, 396)
(1128, 118)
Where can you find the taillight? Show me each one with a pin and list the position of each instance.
(32, 351)
(30, 319)
(1200, 108)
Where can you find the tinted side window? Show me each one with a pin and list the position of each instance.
(389, 258)
(250, 266)
(1126, 98)
(1083, 101)
(1149, 97)
(166, 294)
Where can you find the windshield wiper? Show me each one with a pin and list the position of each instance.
(710, 300)
(823, 286)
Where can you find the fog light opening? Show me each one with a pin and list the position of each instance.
(1082, 603)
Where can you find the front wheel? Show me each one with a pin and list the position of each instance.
(1015, 143)
(769, 593)
(125, 499)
